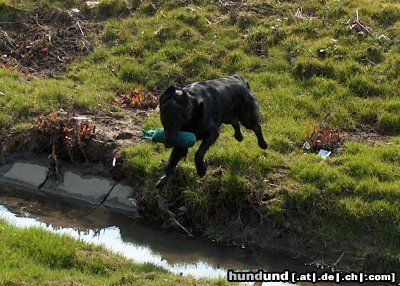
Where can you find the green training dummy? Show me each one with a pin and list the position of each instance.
(184, 139)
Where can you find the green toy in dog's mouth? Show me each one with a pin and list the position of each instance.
(184, 139)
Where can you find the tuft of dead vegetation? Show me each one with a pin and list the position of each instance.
(72, 131)
(323, 138)
(66, 135)
(358, 27)
(136, 99)
(44, 43)
(300, 14)
(62, 136)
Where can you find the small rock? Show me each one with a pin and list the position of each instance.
(92, 4)
(124, 135)
(182, 209)
(142, 113)
(306, 146)
(61, 112)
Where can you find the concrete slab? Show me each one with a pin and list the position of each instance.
(93, 189)
(120, 199)
(25, 175)
(30, 175)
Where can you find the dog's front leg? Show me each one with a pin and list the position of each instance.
(238, 134)
(176, 155)
(204, 146)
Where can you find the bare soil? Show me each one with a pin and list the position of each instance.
(124, 131)
(366, 134)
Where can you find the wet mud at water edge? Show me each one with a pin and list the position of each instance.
(177, 253)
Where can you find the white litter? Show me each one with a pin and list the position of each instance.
(81, 118)
(324, 154)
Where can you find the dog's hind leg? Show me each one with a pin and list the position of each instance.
(251, 122)
(176, 155)
(260, 138)
(238, 134)
(250, 119)
(204, 146)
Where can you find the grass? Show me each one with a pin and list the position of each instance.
(359, 189)
(304, 71)
(36, 257)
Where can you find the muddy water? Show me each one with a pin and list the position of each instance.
(141, 243)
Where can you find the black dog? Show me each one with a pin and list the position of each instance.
(201, 108)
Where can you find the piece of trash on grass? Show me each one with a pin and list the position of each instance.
(324, 154)
(114, 161)
(82, 118)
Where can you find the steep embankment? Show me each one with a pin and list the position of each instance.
(329, 63)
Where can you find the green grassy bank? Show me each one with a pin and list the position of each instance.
(36, 257)
(307, 64)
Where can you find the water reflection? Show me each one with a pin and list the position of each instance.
(141, 243)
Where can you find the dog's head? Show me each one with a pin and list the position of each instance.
(176, 107)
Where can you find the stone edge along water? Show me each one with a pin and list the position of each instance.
(31, 175)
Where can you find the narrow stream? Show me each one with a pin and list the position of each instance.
(175, 252)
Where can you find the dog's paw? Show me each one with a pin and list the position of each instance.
(263, 145)
(239, 137)
(201, 169)
(162, 182)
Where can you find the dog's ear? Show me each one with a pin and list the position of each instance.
(169, 93)
(181, 97)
